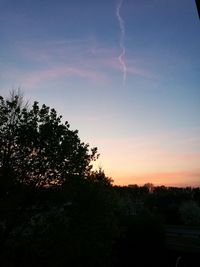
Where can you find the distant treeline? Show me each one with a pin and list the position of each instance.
(173, 205)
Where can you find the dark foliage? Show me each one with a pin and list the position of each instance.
(72, 225)
(36, 148)
(141, 244)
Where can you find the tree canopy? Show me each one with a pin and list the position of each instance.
(37, 148)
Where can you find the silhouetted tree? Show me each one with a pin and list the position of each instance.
(99, 176)
(37, 148)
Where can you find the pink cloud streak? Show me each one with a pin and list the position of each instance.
(90, 55)
(35, 78)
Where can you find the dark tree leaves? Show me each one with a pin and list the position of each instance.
(37, 148)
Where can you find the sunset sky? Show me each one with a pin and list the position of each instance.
(125, 73)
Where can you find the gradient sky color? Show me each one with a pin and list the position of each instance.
(145, 122)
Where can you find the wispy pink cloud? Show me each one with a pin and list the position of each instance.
(53, 51)
(86, 52)
(33, 79)
(104, 52)
(81, 58)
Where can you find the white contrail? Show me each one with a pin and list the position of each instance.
(121, 57)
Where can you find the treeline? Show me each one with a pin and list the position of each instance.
(85, 223)
(173, 205)
(81, 223)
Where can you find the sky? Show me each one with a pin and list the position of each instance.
(125, 73)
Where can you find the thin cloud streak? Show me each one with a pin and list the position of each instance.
(121, 57)
(33, 79)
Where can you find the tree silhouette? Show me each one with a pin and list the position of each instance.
(99, 176)
(37, 148)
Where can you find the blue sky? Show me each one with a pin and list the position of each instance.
(66, 54)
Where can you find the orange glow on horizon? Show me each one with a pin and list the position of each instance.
(165, 158)
(177, 179)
